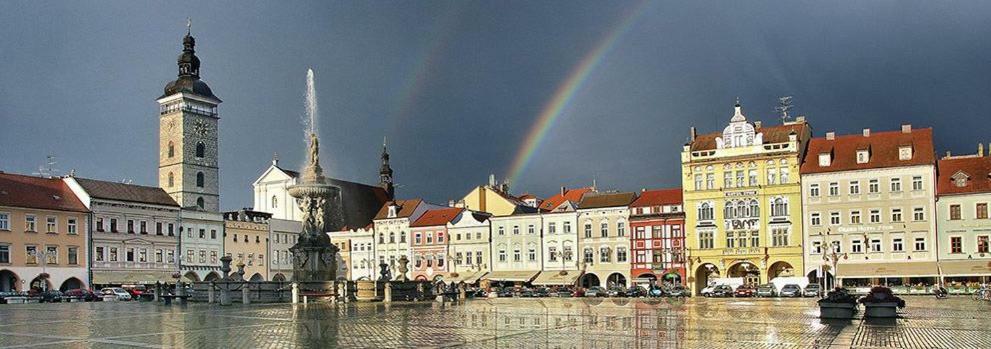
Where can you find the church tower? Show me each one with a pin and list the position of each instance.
(385, 174)
(188, 150)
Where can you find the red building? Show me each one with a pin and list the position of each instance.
(657, 220)
(429, 245)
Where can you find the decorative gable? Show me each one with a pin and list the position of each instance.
(960, 179)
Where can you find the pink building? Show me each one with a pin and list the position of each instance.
(429, 243)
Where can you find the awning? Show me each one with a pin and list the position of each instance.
(887, 270)
(468, 277)
(966, 267)
(512, 276)
(125, 277)
(556, 277)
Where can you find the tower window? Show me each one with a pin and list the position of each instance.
(200, 179)
(199, 202)
(200, 149)
(171, 180)
(171, 149)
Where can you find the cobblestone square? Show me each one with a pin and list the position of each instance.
(494, 323)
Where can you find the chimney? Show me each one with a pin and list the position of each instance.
(450, 203)
(906, 128)
(948, 153)
(980, 149)
(800, 119)
(563, 190)
(830, 135)
(692, 133)
(757, 124)
(492, 181)
(867, 132)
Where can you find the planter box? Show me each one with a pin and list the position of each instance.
(828, 310)
(881, 310)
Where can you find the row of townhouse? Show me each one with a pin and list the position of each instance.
(576, 237)
(855, 210)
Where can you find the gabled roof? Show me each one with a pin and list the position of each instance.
(976, 169)
(573, 195)
(658, 197)
(607, 200)
(406, 208)
(883, 151)
(436, 217)
(39, 193)
(98, 189)
(771, 134)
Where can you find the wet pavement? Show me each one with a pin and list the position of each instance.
(495, 323)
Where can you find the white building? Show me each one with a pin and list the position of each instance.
(605, 239)
(392, 230)
(285, 233)
(560, 241)
(517, 253)
(468, 247)
(202, 244)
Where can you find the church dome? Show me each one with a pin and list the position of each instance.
(189, 84)
(189, 73)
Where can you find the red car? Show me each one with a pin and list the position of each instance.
(744, 291)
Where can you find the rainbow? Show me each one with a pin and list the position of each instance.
(567, 90)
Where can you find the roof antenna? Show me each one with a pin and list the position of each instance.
(189, 25)
(47, 170)
(784, 105)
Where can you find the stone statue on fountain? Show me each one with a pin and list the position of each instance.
(314, 257)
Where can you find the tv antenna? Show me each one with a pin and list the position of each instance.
(47, 170)
(784, 105)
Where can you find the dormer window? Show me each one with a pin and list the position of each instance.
(960, 179)
(905, 152)
(825, 159)
(392, 211)
(863, 156)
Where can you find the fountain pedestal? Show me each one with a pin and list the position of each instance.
(314, 257)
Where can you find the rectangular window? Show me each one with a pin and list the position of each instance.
(159, 255)
(130, 255)
(202, 256)
(99, 254)
(772, 178)
(417, 239)
(816, 247)
(51, 224)
(552, 253)
(875, 216)
(779, 237)
(4, 254)
(213, 256)
(604, 229)
(202, 233)
(896, 215)
(698, 182)
(130, 226)
(142, 255)
(621, 255)
(956, 244)
(837, 247)
(71, 226)
(834, 189)
(621, 229)
(728, 179)
(751, 177)
(918, 214)
(567, 227)
(856, 247)
(873, 186)
(917, 183)
(73, 256)
(604, 255)
(532, 254)
(567, 254)
(897, 245)
(730, 240)
(502, 231)
(854, 187)
(815, 219)
(896, 185)
(954, 212)
(982, 211)
(113, 225)
(855, 217)
(551, 228)
(213, 234)
(4, 221)
(875, 245)
(430, 238)
(920, 244)
(982, 244)
(31, 252)
(113, 254)
(517, 256)
(754, 239)
(30, 223)
(516, 230)
(814, 190)
(440, 237)
(640, 232)
(51, 255)
(706, 240)
(834, 218)
(171, 230)
(710, 181)
(158, 228)
(144, 227)
(784, 175)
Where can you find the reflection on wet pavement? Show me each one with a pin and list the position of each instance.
(496, 323)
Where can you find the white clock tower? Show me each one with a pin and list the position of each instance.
(188, 150)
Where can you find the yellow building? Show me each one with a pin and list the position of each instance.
(743, 201)
(494, 199)
(246, 241)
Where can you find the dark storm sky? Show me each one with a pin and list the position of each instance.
(455, 86)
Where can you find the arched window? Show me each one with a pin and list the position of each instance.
(171, 179)
(199, 202)
(705, 211)
(171, 149)
(727, 211)
(275, 202)
(754, 209)
(200, 149)
(779, 207)
(200, 178)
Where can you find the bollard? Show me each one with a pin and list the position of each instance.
(158, 290)
(388, 292)
(209, 293)
(225, 294)
(295, 293)
(244, 295)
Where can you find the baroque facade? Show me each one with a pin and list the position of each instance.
(963, 228)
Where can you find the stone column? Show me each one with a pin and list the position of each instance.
(244, 294)
(388, 292)
(295, 293)
(225, 293)
(209, 293)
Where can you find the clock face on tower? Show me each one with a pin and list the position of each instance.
(201, 128)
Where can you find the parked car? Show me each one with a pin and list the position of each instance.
(541, 292)
(505, 292)
(722, 291)
(122, 295)
(635, 291)
(812, 290)
(791, 290)
(744, 291)
(564, 292)
(527, 292)
(766, 290)
(677, 291)
(5, 295)
(81, 294)
(616, 291)
(51, 296)
(595, 291)
(655, 292)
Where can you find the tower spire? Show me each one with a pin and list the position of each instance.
(385, 173)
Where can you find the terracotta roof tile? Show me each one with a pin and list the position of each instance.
(607, 200)
(978, 172)
(436, 217)
(883, 147)
(573, 195)
(406, 208)
(658, 197)
(39, 193)
(125, 192)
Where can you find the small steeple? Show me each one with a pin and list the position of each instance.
(189, 64)
(738, 112)
(385, 172)
(275, 159)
